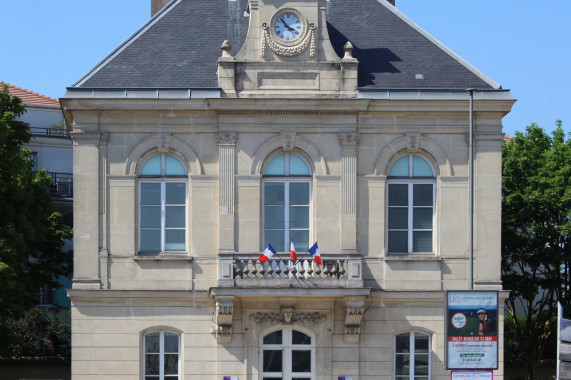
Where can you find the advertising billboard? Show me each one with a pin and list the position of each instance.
(472, 330)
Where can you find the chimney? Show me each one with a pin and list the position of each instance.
(392, 2)
(157, 5)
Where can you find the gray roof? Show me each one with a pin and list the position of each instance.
(179, 48)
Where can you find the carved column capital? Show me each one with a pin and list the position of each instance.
(224, 315)
(227, 138)
(348, 139)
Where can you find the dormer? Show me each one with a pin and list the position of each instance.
(287, 54)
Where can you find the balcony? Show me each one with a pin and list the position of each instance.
(59, 133)
(245, 271)
(61, 188)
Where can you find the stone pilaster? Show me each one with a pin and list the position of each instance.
(86, 209)
(348, 142)
(226, 172)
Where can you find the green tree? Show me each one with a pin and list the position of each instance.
(31, 234)
(536, 239)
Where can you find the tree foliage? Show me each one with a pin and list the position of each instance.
(31, 234)
(536, 238)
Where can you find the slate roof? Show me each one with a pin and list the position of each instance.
(179, 48)
(30, 97)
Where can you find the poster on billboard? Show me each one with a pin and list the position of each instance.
(472, 330)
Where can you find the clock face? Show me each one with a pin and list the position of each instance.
(288, 26)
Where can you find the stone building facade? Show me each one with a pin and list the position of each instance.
(223, 126)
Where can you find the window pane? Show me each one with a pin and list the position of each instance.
(299, 217)
(400, 168)
(398, 241)
(420, 343)
(274, 217)
(173, 166)
(402, 365)
(300, 338)
(299, 193)
(422, 218)
(171, 364)
(273, 338)
(423, 195)
(421, 364)
(152, 166)
(300, 239)
(150, 217)
(152, 342)
(175, 216)
(276, 166)
(272, 361)
(300, 361)
(420, 168)
(175, 240)
(151, 240)
(150, 193)
(171, 343)
(176, 193)
(276, 239)
(398, 218)
(297, 166)
(398, 195)
(403, 343)
(274, 193)
(422, 241)
(152, 364)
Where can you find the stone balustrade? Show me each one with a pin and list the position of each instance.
(246, 271)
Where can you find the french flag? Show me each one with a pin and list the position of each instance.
(314, 250)
(292, 253)
(269, 252)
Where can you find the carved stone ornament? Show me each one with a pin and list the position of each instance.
(288, 141)
(353, 315)
(413, 141)
(227, 138)
(226, 47)
(287, 316)
(348, 50)
(288, 51)
(224, 315)
(348, 138)
(163, 142)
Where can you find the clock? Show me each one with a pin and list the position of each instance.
(288, 27)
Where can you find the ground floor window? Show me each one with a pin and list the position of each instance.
(412, 356)
(288, 354)
(162, 357)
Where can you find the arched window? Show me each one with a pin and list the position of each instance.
(288, 354)
(411, 199)
(162, 205)
(412, 356)
(161, 355)
(287, 195)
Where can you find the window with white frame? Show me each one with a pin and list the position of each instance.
(287, 194)
(412, 356)
(162, 205)
(161, 355)
(411, 200)
(288, 354)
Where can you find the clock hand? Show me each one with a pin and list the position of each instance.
(286, 25)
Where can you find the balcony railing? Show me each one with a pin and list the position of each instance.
(245, 271)
(61, 187)
(50, 132)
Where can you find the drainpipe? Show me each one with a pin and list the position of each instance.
(471, 187)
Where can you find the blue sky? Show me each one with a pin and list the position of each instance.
(525, 45)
